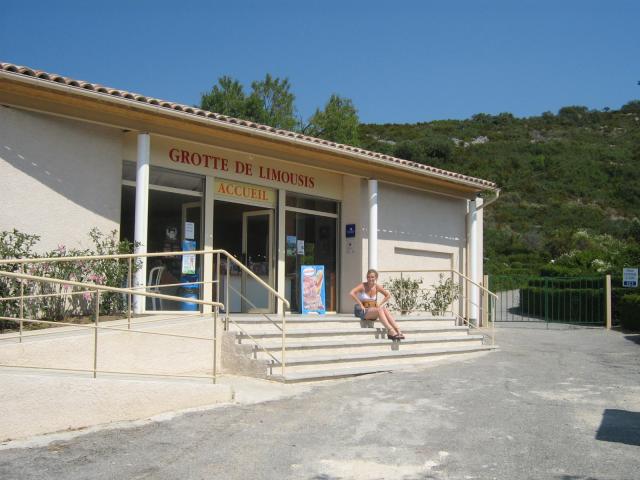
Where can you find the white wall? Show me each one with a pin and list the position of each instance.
(353, 250)
(416, 231)
(420, 231)
(58, 177)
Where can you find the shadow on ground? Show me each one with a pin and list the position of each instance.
(620, 426)
(633, 338)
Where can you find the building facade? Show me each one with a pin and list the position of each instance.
(76, 155)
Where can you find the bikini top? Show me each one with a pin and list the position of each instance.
(366, 298)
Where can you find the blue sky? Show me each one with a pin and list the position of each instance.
(399, 61)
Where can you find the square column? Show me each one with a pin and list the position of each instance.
(141, 215)
(373, 224)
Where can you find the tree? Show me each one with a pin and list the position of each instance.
(271, 103)
(631, 107)
(338, 122)
(226, 98)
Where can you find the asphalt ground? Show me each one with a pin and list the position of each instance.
(562, 403)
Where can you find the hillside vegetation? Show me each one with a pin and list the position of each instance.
(570, 183)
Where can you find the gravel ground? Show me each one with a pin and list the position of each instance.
(562, 403)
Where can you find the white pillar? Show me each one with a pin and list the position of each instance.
(141, 215)
(281, 255)
(474, 291)
(207, 244)
(373, 224)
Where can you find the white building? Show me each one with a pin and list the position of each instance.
(76, 155)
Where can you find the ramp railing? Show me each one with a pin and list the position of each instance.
(95, 292)
(218, 277)
(442, 292)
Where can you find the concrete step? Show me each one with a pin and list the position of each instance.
(303, 335)
(356, 345)
(292, 319)
(255, 324)
(363, 365)
(260, 327)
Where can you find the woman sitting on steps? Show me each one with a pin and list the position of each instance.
(366, 294)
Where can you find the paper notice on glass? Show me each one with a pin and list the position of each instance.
(291, 245)
(188, 264)
(300, 247)
(189, 260)
(189, 230)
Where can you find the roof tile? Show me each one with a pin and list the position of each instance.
(52, 77)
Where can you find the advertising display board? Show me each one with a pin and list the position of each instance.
(312, 288)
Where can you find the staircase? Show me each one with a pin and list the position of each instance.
(335, 346)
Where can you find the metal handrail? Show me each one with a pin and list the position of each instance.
(137, 290)
(97, 289)
(105, 288)
(471, 325)
(285, 304)
(245, 269)
(492, 296)
(481, 287)
(153, 254)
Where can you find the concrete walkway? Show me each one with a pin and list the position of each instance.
(562, 403)
(43, 402)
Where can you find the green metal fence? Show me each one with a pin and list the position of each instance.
(579, 300)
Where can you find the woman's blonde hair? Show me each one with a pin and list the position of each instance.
(371, 270)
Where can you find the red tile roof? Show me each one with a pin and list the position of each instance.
(100, 89)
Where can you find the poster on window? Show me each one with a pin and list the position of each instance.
(291, 245)
(188, 260)
(312, 288)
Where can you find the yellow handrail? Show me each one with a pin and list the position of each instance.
(461, 275)
(153, 254)
(440, 271)
(96, 326)
(137, 290)
(105, 288)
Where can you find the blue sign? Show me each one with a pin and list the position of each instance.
(351, 230)
(312, 289)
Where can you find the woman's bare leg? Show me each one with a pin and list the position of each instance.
(389, 320)
(378, 314)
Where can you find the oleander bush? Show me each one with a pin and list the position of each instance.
(60, 304)
(13, 244)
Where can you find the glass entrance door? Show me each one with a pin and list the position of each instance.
(257, 252)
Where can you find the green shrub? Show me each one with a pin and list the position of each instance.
(62, 304)
(13, 244)
(405, 294)
(445, 292)
(559, 271)
(112, 273)
(629, 311)
(564, 283)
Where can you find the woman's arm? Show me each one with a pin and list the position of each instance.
(354, 293)
(383, 291)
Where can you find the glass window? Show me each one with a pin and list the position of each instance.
(311, 240)
(165, 178)
(174, 224)
(311, 203)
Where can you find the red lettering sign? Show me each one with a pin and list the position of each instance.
(211, 162)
